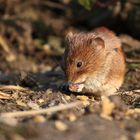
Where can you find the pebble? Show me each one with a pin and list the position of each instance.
(72, 117)
(59, 125)
(39, 119)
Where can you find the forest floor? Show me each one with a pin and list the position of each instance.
(113, 118)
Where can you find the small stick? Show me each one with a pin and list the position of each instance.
(132, 60)
(4, 95)
(137, 90)
(12, 87)
(4, 45)
(130, 91)
(6, 48)
(41, 111)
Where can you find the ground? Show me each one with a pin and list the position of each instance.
(113, 118)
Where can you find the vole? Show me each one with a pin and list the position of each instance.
(94, 62)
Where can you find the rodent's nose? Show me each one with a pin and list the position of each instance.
(78, 87)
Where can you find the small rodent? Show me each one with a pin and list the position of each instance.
(94, 62)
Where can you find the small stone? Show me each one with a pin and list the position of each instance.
(49, 91)
(67, 97)
(39, 119)
(59, 125)
(41, 101)
(92, 99)
(72, 117)
(137, 135)
(82, 98)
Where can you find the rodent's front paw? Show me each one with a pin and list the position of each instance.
(78, 87)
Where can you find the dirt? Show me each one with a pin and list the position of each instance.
(42, 90)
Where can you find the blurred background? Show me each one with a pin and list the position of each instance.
(32, 32)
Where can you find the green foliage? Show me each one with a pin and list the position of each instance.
(87, 3)
(133, 65)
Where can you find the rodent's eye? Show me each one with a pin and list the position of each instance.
(79, 64)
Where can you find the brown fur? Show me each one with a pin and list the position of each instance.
(103, 64)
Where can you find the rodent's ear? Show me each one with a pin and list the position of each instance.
(98, 42)
(69, 36)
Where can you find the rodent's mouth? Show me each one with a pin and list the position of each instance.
(81, 82)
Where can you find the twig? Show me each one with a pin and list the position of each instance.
(132, 60)
(12, 87)
(4, 95)
(54, 5)
(137, 90)
(41, 111)
(130, 92)
(105, 4)
(131, 42)
(4, 45)
(7, 49)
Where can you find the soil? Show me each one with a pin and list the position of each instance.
(42, 90)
